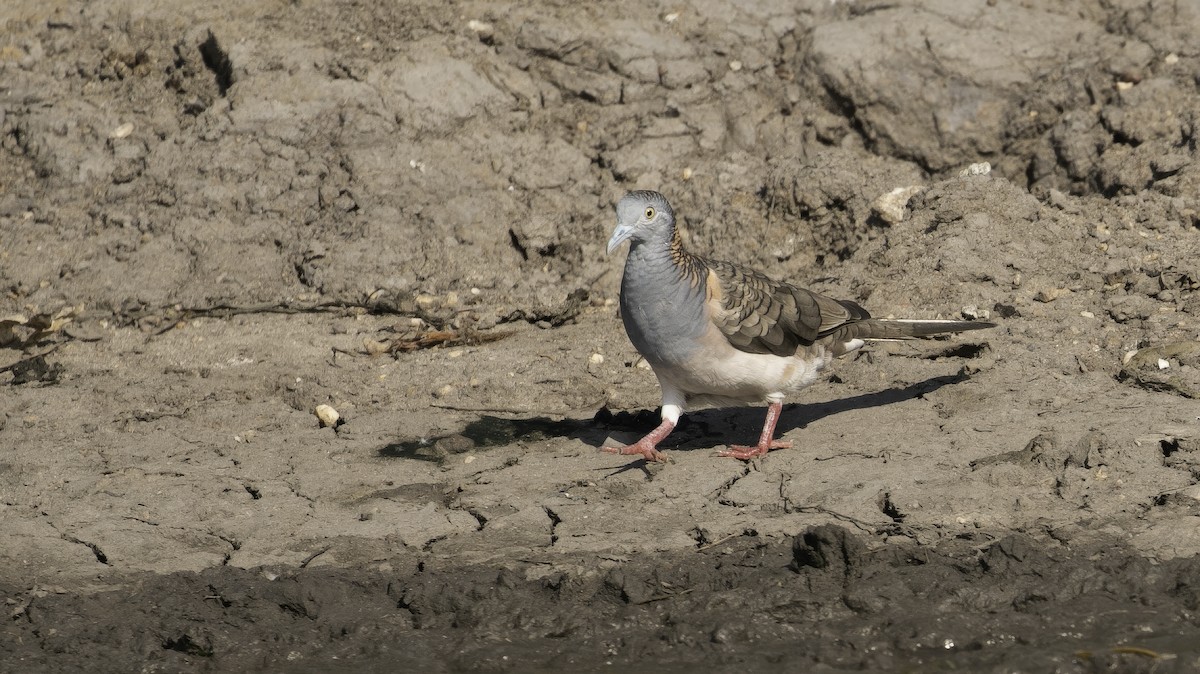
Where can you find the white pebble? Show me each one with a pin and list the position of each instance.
(122, 131)
(892, 206)
(981, 169)
(596, 359)
(328, 416)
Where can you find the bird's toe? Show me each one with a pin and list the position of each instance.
(649, 453)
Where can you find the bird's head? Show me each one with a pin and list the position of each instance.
(641, 216)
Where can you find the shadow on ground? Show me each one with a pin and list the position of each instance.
(704, 429)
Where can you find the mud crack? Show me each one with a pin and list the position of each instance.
(718, 494)
(233, 543)
(555, 520)
(100, 556)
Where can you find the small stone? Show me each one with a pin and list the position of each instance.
(670, 18)
(596, 359)
(1050, 294)
(122, 131)
(686, 174)
(981, 169)
(974, 313)
(454, 444)
(1087, 314)
(443, 391)
(1163, 363)
(456, 353)
(891, 207)
(1171, 59)
(329, 417)
(735, 66)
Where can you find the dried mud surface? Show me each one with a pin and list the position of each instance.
(216, 217)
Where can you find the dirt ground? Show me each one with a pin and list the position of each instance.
(215, 217)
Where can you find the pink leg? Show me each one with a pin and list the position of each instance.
(766, 441)
(647, 446)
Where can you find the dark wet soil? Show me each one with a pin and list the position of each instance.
(822, 601)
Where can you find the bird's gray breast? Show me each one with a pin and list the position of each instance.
(664, 314)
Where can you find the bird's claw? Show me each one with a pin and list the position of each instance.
(745, 453)
(651, 454)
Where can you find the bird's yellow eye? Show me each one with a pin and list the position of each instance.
(649, 212)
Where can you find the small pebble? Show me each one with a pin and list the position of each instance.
(891, 207)
(1087, 314)
(974, 313)
(596, 359)
(329, 417)
(981, 169)
(122, 131)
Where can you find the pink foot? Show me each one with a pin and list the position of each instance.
(648, 452)
(746, 453)
(646, 446)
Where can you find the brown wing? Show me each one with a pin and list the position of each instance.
(759, 315)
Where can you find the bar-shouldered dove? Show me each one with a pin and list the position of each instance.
(716, 333)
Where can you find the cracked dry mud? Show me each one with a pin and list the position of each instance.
(216, 217)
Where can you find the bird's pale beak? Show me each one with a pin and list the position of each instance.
(620, 234)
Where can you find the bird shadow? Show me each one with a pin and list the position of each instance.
(704, 429)
(707, 429)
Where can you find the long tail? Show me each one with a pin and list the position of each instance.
(852, 336)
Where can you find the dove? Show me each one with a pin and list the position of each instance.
(717, 333)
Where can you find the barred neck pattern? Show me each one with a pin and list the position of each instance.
(691, 267)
